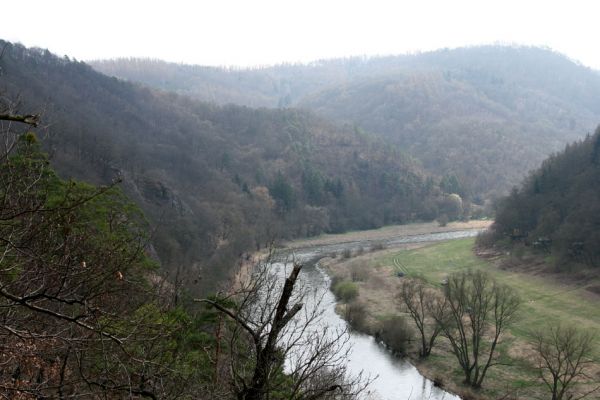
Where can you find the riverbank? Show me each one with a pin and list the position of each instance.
(544, 299)
(397, 379)
(387, 233)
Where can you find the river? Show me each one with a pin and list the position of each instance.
(396, 378)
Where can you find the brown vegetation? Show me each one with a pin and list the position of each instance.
(215, 181)
(479, 116)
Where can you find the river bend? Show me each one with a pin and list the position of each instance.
(396, 378)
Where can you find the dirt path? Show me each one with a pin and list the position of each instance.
(386, 233)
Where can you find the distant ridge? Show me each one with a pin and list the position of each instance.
(215, 181)
(485, 114)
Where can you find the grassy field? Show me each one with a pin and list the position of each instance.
(545, 300)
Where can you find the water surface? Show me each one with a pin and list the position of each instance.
(396, 378)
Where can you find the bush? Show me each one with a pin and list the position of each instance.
(335, 279)
(486, 238)
(442, 220)
(358, 272)
(347, 253)
(356, 315)
(345, 291)
(438, 380)
(378, 246)
(396, 334)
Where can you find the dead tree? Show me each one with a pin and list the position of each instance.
(286, 338)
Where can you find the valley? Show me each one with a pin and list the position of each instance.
(394, 226)
(546, 299)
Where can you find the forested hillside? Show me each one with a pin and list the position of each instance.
(77, 287)
(272, 87)
(87, 314)
(556, 211)
(486, 115)
(214, 181)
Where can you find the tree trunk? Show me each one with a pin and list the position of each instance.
(266, 355)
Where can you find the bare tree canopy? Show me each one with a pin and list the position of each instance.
(421, 302)
(283, 325)
(478, 311)
(564, 355)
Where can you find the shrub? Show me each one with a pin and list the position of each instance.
(335, 279)
(442, 220)
(396, 334)
(356, 315)
(358, 272)
(345, 291)
(378, 246)
(486, 238)
(347, 253)
(438, 380)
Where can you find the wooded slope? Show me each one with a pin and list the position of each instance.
(215, 181)
(485, 114)
(556, 211)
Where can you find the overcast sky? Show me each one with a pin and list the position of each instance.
(262, 32)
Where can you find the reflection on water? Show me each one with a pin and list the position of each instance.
(396, 378)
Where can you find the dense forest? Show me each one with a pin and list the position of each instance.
(76, 288)
(556, 211)
(482, 115)
(216, 181)
(86, 312)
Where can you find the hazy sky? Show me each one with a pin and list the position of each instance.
(259, 32)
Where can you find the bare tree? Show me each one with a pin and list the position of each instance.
(478, 311)
(292, 351)
(421, 302)
(564, 355)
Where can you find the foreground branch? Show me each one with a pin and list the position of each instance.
(30, 119)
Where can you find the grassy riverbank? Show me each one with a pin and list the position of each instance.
(545, 298)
